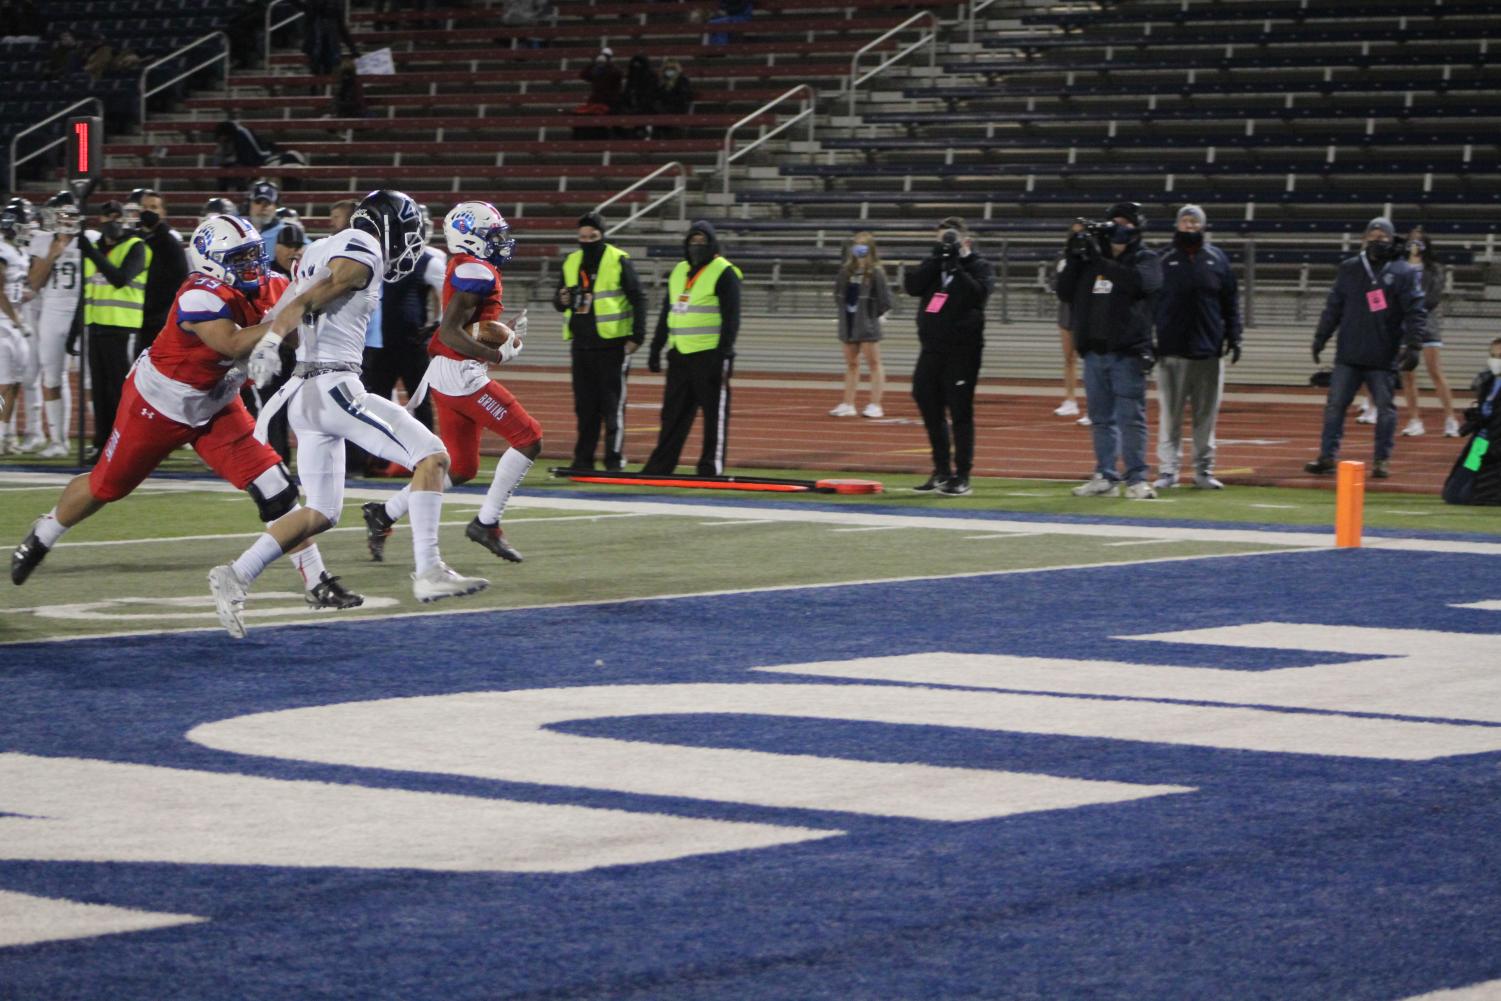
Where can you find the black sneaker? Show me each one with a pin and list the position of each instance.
(1383, 470)
(956, 487)
(493, 539)
(932, 483)
(377, 529)
(27, 557)
(1321, 466)
(329, 593)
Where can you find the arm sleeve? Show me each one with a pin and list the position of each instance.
(1334, 310)
(134, 264)
(976, 277)
(659, 336)
(883, 292)
(728, 290)
(921, 279)
(1068, 280)
(630, 284)
(1230, 304)
(1414, 313)
(556, 303)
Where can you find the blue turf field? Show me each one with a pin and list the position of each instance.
(1282, 876)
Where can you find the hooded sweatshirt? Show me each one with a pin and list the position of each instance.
(727, 289)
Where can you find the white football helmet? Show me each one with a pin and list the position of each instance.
(230, 249)
(59, 214)
(478, 229)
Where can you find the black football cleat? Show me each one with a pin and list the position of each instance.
(27, 557)
(378, 528)
(493, 539)
(329, 593)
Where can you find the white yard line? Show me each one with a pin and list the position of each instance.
(746, 521)
(725, 510)
(608, 602)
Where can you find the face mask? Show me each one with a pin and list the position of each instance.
(1188, 241)
(1378, 251)
(1495, 365)
(859, 250)
(699, 254)
(112, 230)
(149, 220)
(1124, 234)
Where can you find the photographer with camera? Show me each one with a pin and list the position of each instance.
(1377, 306)
(1110, 282)
(604, 321)
(953, 285)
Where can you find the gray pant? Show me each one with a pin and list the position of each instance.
(1197, 382)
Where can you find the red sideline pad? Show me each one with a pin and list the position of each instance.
(763, 483)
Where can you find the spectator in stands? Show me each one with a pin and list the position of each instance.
(639, 97)
(66, 57)
(953, 285)
(1433, 275)
(1198, 324)
(699, 322)
(674, 97)
(730, 12)
(1376, 305)
(114, 299)
(324, 28)
(604, 79)
(1110, 283)
(264, 196)
(604, 323)
(169, 263)
(863, 299)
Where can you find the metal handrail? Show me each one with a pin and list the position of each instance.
(930, 40)
(16, 139)
(222, 38)
(809, 99)
(975, 6)
(679, 191)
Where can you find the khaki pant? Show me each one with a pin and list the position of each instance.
(1197, 382)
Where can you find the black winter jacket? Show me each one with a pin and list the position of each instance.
(1376, 311)
(959, 322)
(1198, 309)
(1112, 300)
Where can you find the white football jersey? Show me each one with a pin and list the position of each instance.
(59, 293)
(338, 333)
(16, 262)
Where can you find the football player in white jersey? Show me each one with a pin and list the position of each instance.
(56, 266)
(336, 288)
(18, 359)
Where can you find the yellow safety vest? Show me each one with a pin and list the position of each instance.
(612, 310)
(107, 306)
(693, 319)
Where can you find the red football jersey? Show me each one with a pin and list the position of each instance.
(179, 355)
(467, 273)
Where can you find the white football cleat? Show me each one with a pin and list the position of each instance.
(1097, 486)
(31, 443)
(56, 450)
(229, 599)
(441, 581)
(1068, 408)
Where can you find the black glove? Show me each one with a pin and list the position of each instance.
(1408, 357)
(1148, 361)
(1082, 247)
(1316, 352)
(654, 361)
(72, 343)
(1232, 348)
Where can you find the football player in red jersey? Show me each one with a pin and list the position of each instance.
(184, 390)
(465, 397)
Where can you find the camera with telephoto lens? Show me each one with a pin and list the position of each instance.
(1095, 228)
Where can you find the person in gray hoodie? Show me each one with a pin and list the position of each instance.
(1377, 308)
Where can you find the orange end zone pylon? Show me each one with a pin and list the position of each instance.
(1349, 504)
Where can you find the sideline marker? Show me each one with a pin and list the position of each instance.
(1349, 504)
